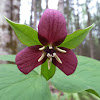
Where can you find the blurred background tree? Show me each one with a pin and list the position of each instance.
(78, 14)
(8, 41)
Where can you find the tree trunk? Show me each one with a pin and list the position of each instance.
(10, 9)
(35, 14)
(46, 4)
(67, 15)
(90, 35)
(40, 9)
(61, 6)
(31, 22)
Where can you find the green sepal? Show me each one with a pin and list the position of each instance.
(47, 73)
(73, 40)
(24, 33)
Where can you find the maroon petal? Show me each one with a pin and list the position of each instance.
(52, 28)
(27, 59)
(69, 61)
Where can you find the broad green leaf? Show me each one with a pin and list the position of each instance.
(73, 40)
(38, 69)
(25, 34)
(86, 76)
(47, 73)
(16, 86)
(7, 58)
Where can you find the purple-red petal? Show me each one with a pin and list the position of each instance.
(69, 61)
(27, 59)
(52, 28)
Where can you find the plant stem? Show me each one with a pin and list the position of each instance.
(59, 95)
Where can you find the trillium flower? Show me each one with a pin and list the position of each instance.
(51, 33)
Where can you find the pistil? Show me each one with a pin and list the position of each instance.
(49, 55)
(50, 52)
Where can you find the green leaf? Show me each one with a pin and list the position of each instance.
(25, 34)
(73, 40)
(16, 86)
(86, 76)
(7, 58)
(47, 73)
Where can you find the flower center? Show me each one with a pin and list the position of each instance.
(50, 52)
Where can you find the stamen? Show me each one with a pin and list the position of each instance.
(42, 48)
(57, 58)
(49, 62)
(60, 50)
(50, 47)
(41, 58)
